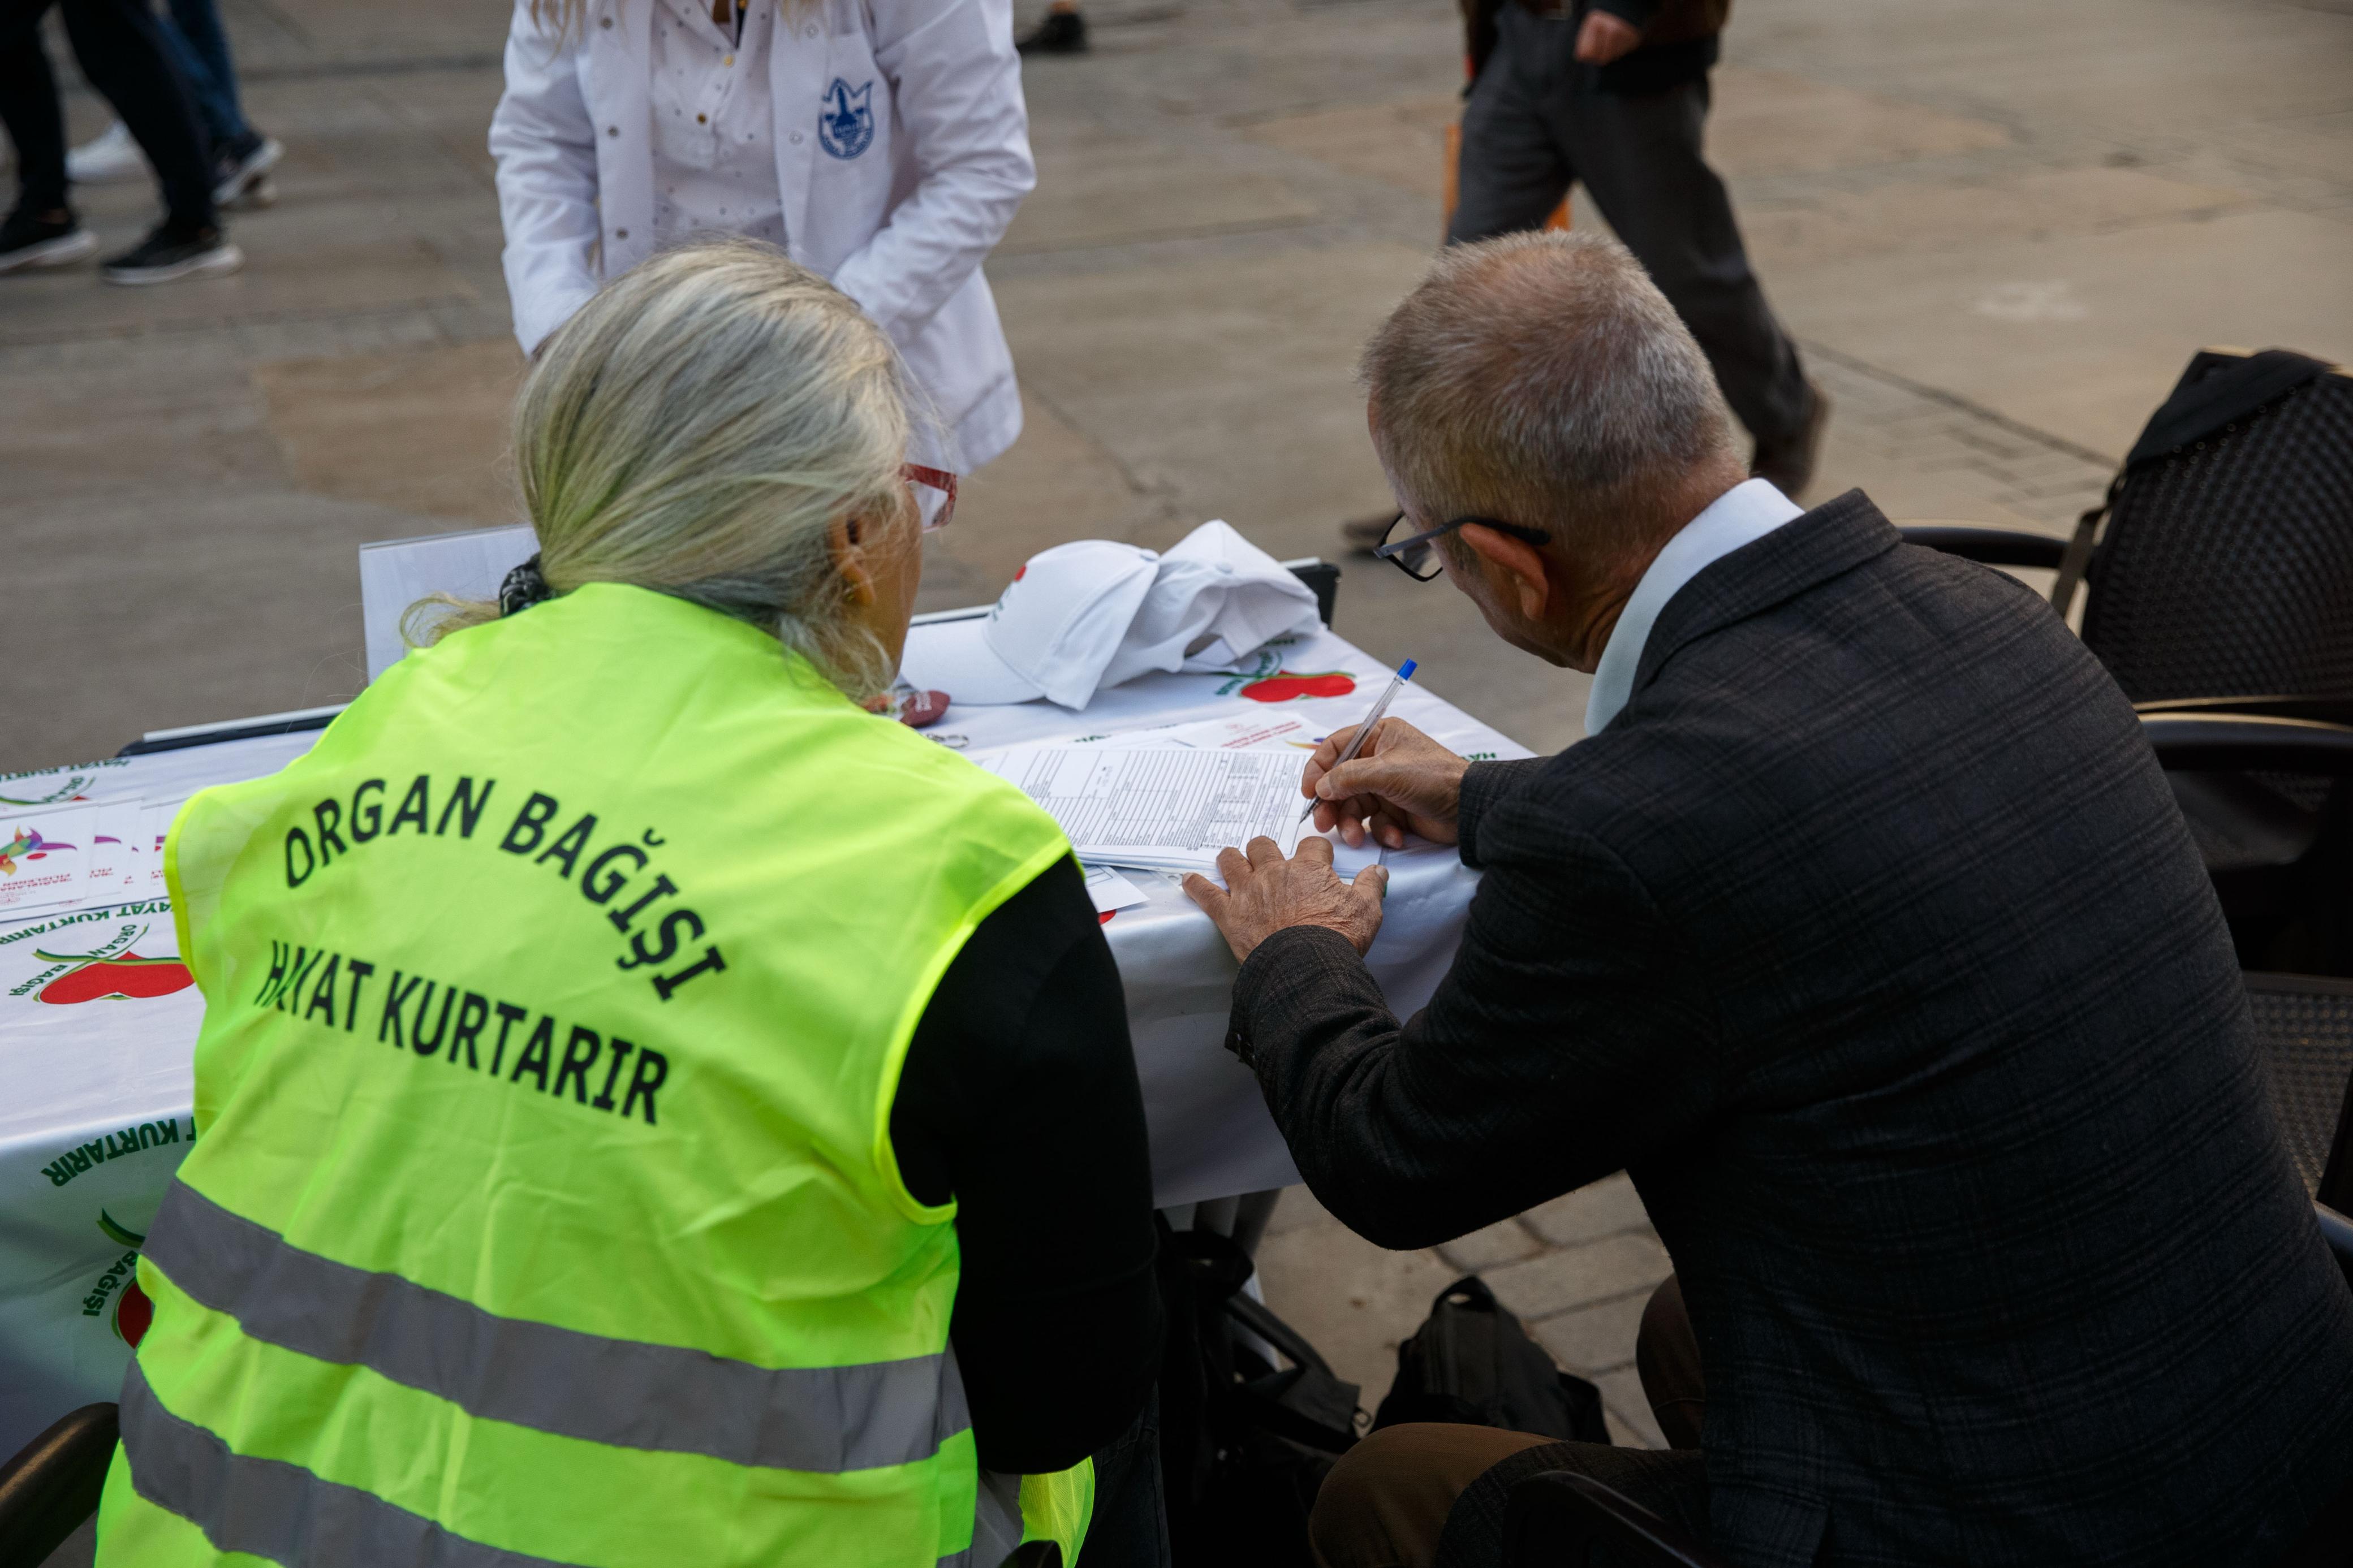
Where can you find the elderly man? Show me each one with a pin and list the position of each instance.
(1863, 932)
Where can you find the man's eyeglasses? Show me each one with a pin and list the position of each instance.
(1416, 556)
(935, 513)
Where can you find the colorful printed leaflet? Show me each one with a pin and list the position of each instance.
(45, 857)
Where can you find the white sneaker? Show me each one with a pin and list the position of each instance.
(109, 156)
(236, 175)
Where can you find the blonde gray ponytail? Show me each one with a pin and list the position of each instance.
(697, 428)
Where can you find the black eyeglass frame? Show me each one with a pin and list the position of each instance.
(1394, 552)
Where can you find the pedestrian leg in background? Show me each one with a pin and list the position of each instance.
(40, 230)
(121, 48)
(242, 156)
(1639, 156)
(1510, 173)
(1515, 168)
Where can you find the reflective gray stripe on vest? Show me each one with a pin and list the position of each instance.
(618, 1392)
(280, 1512)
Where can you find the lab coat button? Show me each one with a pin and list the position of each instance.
(606, 22)
(620, 234)
(728, 61)
(809, 31)
(797, 138)
(612, 130)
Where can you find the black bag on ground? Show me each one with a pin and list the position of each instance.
(1244, 1443)
(1470, 1363)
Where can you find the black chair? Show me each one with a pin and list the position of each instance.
(51, 1487)
(2217, 576)
(2266, 784)
(2304, 1034)
(1557, 1519)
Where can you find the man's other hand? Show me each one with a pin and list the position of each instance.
(1403, 781)
(1264, 892)
(1603, 37)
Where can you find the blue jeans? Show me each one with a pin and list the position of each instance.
(200, 49)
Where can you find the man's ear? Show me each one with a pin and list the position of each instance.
(1519, 563)
(845, 540)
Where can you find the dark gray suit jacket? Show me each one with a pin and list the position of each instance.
(1870, 940)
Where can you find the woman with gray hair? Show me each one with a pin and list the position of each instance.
(653, 1108)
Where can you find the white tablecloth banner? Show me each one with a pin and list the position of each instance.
(95, 1116)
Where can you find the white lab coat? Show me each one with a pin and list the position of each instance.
(901, 224)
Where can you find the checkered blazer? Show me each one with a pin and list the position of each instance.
(1869, 940)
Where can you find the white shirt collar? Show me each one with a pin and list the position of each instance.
(1741, 515)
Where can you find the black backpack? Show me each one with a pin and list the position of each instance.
(1245, 1441)
(1472, 1363)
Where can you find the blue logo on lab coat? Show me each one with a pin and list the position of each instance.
(844, 125)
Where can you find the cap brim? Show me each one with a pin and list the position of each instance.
(955, 656)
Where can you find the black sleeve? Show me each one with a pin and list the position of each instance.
(1484, 785)
(1018, 1099)
(1573, 1036)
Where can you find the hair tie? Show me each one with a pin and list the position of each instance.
(523, 587)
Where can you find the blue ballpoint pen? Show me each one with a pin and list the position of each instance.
(1397, 684)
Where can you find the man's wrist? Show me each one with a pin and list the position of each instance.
(1273, 969)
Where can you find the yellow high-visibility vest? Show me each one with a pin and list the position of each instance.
(545, 1210)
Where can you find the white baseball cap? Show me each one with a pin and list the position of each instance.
(1093, 614)
(1052, 631)
(1216, 600)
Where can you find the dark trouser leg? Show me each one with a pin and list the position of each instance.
(1667, 1356)
(29, 106)
(1385, 1503)
(1130, 1527)
(120, 48)
(200, 45)
(1639, 156)
(1512, 172)
(1431, 1495)
(1673, 1485)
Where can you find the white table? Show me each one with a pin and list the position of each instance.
(95, 1116)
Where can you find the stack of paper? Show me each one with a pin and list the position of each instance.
(1168, 806)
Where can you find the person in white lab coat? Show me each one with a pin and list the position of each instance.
(883, 144)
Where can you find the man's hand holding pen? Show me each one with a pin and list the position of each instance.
(1402, 781)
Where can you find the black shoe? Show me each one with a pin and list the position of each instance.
(241, 170)
(1789, 463)
(27, 239)
(170, 254)
(1061, 33)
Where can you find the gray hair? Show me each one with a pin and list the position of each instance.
(697, 428)
(1543, 379)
